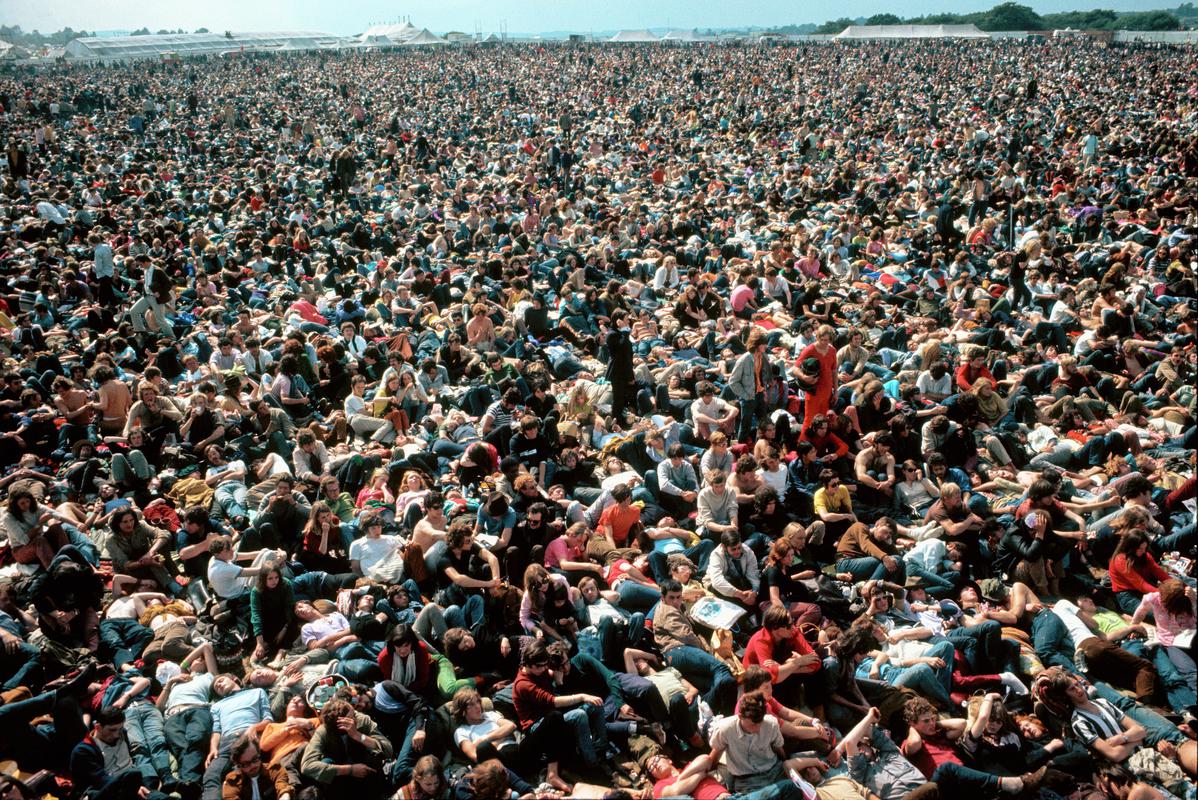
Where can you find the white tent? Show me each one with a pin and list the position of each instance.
(396, 32)
(684, 36)
(911, 32)
(1164, 37)
(634, 36)
(423, 37)
(11, 52)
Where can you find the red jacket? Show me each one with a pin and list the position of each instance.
(1125, 577)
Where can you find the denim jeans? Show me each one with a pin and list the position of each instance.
(1159, 728)
(1179, 693)
(935, 585)
(124, 639)
(636, 596)
(20, 667)
(700, 554)
(984, 649)
(933, 682)
(956, 781)
(468, 615)
(870, 568)
(782, 790)
(147, 742)
(230, 496)
(187, 733)
(703, 669)
(1051, 639)
(590, 731)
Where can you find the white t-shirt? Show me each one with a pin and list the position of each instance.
(1078, 631)
(472, 733)
(929, 385)
(225, 579)
(371, 551)
(775, 480)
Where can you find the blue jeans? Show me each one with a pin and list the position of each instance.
(934, 683)
(703, 669)
(230, 496)
(637, 597)
(935, 585)
(984, 649)
(468, 615)
(1178, 693)
(1051, 639)
(700, 554)
(147, 740)
(1159, 728)
(956, 780)
(869, 568)
(124, 639)
(19, 667)
(590, 731)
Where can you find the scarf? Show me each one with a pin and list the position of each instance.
(403, 670)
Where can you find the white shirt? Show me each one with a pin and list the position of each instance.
(929, 385)
(368, 552)
(472, 733)
(225, 579)
(1078, 631)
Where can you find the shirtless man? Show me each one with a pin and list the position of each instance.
(114, 401)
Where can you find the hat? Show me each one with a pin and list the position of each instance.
(949, 609)
(992, 589)
(680, 559)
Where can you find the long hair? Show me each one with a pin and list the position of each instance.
(318, 508)
(1128, 546)
(15, 497)
(533, 576)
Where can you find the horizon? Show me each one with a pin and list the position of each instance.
(470, 16)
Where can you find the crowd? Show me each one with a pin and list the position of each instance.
(539, 421)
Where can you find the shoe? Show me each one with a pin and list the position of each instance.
(77, 682)
(1012, 682)
(1032, 780)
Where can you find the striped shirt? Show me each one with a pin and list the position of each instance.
(1101, 724)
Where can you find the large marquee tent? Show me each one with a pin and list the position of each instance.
(911, 32)
(132, 48)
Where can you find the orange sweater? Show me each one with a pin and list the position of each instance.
(280, 740)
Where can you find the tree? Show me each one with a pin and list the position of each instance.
(884, 19)
(835, 26)
(202, 30)
(1098, 19)
(141, 32)
(1149, 21)
(1011, 16)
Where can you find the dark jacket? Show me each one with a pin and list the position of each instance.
(91, 777)
(1015, 546)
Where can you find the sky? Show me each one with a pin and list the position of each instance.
(520, 16)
